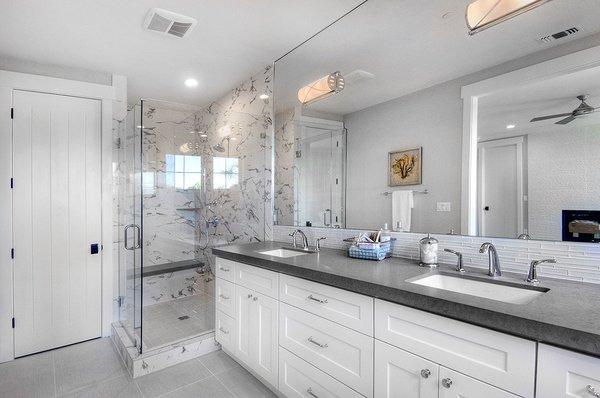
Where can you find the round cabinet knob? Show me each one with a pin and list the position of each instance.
(425, 373)
(447, 383)
(255, 298)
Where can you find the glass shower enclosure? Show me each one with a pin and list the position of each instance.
(165, 280)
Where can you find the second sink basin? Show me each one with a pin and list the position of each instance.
(284, 253)
(493, 290)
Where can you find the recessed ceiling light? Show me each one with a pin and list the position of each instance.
(191, 82)
(510, 126)
(263, 96)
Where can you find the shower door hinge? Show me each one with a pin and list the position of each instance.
(12, 183)
(119, 300)
(12, 113)
(13, 323)
(12, 253)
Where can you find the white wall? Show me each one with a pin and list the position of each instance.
(63, 72)
(563, 175)
(431, 118)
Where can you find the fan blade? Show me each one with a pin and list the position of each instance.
(537, 119)
(566, 120)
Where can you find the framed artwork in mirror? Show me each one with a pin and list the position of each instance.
(405, 167)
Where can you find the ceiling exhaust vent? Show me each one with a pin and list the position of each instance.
(559, 35)
(168, 23)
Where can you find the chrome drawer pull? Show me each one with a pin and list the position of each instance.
(311, 393)
(425, 373)
(318, 300)
(311, 340)
(224, 330)
(447, 382)
(593, 391)
(224, 269)
(224, 297)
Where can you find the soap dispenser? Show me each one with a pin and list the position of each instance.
(428, 250)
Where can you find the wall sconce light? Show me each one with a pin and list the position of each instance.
(322, 88)
(482, 14)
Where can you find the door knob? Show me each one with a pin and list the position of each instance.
(425, 373)
(447, 382)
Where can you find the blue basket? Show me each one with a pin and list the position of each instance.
(369, 254)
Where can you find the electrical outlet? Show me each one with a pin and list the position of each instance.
(444, 206)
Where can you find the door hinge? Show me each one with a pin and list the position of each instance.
(12, 253)
(13, 323)
(12, 113)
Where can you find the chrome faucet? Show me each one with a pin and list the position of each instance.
(459, 262)
(318, 244)
(532, 275)
(304, 238)
(494, 262)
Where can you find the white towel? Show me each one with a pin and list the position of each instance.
(402, 204)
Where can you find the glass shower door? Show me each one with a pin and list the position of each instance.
(131, 223)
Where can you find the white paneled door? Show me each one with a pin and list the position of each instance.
(57, 220)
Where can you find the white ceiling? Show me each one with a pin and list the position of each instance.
(233, 39)
(408, 46)
(517, 106)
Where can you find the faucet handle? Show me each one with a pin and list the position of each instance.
(533, 273)
(318, 243)
(459, 262)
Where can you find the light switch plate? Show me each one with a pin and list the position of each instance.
(444, 206)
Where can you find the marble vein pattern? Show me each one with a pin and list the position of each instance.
(285, 150)
(182, 223)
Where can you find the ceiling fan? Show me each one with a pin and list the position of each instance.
(581, 110)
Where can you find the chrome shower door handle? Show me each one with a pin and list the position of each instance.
(137, 243)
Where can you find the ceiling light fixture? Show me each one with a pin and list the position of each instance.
(482, 14)
(191, 82)
(263, 96)
(321, 89)
(510, 126)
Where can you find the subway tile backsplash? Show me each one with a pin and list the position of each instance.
(575, 261)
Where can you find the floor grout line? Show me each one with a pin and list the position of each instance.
(54, 374)
(186, 385)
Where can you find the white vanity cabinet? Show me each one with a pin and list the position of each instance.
(247, 316)
(402, 374)
(563, 373)
(311, 340)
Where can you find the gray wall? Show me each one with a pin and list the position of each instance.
(431, 118)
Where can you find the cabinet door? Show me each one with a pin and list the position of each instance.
(456, 385)
(243, 322)
(263, 337)
(563, 373)
(401, 374)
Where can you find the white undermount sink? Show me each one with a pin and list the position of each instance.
(284, 253)
(491, 290)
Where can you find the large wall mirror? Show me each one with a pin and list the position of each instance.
(372, 125)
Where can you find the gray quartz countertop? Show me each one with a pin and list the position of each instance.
(568, 315)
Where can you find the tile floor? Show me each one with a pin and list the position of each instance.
(94, 369)
(162, 324)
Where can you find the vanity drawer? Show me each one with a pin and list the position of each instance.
(258, 279)
(502, 360)
(225, 330)
(225, 269)
(563, 373)
(349, 309)
(343, 353)
(224, 296)
(299, 379)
